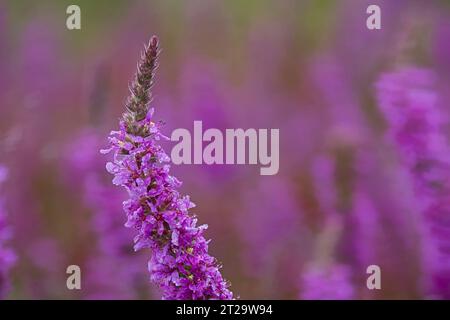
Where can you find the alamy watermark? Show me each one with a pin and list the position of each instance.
(73, 21)
(73, 281)
(250, 146)
(373, 21)
(374, 280)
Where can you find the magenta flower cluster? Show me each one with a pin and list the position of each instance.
(180, 264)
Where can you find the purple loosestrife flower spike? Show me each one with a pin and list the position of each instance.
(180, 264)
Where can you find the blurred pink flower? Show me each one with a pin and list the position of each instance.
(7, 256)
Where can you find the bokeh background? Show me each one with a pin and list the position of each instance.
(347, 194)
